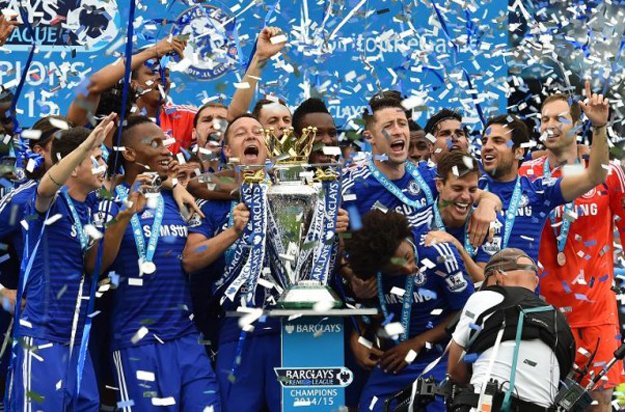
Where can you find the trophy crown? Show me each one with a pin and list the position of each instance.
(289, 148)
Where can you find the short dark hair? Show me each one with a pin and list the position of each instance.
(68, 141)
(111, 101)
(311, 105)
(414, 126)
(519, 130)
(444, 114)
(262, 102)
(196, 118)
(130, 123)
(575, 111)
(241, 116)
(384, 100)
(48, 131)
(463, 163)
(371, 248)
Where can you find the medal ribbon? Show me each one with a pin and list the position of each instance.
(407, 299)
(82, 236)
(511, 212)
(391, 187)
(566, 223)
(145, 255)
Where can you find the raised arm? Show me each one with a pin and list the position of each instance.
(264, 51)
(109, 75)
(597, 110)
(58, 174)
(200, 252)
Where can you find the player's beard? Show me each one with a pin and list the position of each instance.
(502, 169)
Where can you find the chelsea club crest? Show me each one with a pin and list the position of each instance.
(211, 46)
(413, 188)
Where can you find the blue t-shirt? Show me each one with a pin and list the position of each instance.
(12, 207)
(360, 189)
(52, 288)
(217, 216)
(160, 301)
(440, 287)
(538, 198)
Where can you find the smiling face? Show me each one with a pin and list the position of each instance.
(498, 156)
(450, 136)
(456, 195)
(146, 149)
(556, 125)
(245, 141)
(390, 134)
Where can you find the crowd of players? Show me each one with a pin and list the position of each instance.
(113, 288)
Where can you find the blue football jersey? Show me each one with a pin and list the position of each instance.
(217, 216)
(55, 285)
(362, 191)
(440, 287)
(153, 307)
(538, 198)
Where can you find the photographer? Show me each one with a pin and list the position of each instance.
(487, 330)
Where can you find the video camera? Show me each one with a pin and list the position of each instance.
(572, 397)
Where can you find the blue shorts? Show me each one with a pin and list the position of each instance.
(256, 385)
(43, 380)
(382, 385)
(172, 376)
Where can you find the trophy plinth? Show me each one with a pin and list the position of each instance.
(306, 294)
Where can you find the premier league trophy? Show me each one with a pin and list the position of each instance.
(301, 229)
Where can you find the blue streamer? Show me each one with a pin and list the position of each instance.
(127, 71)
(25, 268)
(19, 161)
(84, 343)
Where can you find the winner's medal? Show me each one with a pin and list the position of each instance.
(147, 268)
(561, 258)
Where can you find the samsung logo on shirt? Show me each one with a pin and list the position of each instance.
(167, 230)
(392, 299)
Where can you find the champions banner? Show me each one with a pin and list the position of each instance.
(438, 53)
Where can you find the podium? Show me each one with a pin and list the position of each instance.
(313, 375)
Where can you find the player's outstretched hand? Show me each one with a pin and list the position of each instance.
(595, 107)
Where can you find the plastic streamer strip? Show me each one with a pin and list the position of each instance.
(18, 91)
(25, 268)
(127, 71)
(84, 344)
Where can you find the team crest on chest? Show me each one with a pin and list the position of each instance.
(590, 194)
(419, 279)
(413, 188)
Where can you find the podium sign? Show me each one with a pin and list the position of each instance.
(313, 376)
